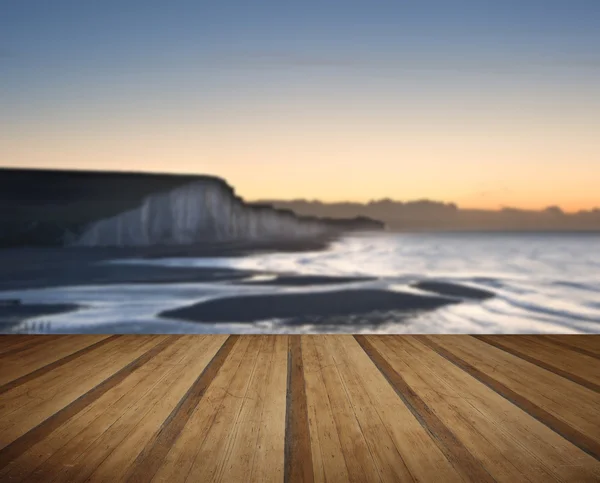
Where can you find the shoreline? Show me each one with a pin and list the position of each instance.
(256, 308)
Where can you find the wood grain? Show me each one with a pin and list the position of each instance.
(298, 459)
(152, 456)
(553, 359)
(462, 460)
(509, 443)
(180, 458)
(22, 443)
(584, 344)
(521, 387)
(323, 408)
(29, 376)
(14, 344)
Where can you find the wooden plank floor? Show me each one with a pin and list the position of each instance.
(322, 408)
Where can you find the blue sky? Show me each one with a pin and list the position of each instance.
(205, 77)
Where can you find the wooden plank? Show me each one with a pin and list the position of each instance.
(83, 433)
(511, 445)
(48, 425)
(8, 340)
(40, 347)
(31, 403)
(581, 366)
(567, 408)
(244, 437)
(298, 460)
(329, 463)
(13, 343)
(48, 385)
(209, 464)
(311, 372)
(92, 416)
(27, 361)
(350, 362)
(359, 460)
(585, 344)
(268, 460)
(576, 367)
(40, 371)
(105, 410)
(150, 459)
(178, 461)
(462, 460)
(150, 410)
(421, 455)
(183, 374)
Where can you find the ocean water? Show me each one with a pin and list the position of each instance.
(542, 283)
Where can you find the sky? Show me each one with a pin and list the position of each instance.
(485, 104)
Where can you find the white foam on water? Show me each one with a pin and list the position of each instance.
(542, 283)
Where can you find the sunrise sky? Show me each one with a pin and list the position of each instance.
(485, 104)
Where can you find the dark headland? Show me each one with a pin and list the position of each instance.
(55, 207)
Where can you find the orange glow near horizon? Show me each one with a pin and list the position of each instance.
(485, 106)
(348, 189)
(465, 154)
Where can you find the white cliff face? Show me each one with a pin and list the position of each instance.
(196, 212)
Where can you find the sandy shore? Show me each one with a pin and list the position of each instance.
(39, 267)
(306, 280)
(25, 269)
(453, 290)
(325, 304)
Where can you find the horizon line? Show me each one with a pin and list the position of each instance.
(304, 200)
(421, 200)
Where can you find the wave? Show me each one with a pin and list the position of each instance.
(541, 284)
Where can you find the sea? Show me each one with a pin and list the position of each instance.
(541, 283)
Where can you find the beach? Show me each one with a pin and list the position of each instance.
(381, 283)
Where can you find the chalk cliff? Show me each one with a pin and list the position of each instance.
(132, 209)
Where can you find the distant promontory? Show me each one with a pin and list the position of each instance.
(86, 208)
(427, 215)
